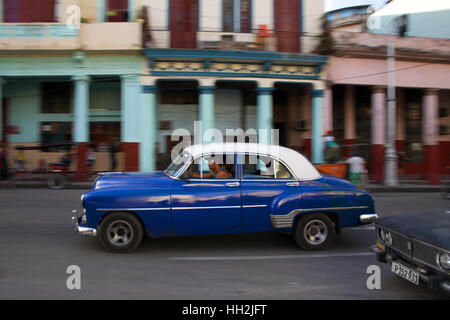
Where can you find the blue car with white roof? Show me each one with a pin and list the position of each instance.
(223, 188)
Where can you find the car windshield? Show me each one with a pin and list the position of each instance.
(174, 168)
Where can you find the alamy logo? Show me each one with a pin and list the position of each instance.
(74, 19)
(74, 280)
(374, 280)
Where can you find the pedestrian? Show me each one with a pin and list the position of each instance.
(327, 136)
(356, 168)
(20, 161)
(4, 170)
(90, 158)
(332, 152)
(112, 154)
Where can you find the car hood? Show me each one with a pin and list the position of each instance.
(131, 179)
(431, 227)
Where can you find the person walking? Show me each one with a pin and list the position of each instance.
(332, 152)
(90, 159)
(4, 170)
(112, 155)
(356, 168)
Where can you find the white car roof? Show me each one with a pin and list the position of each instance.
(300, 166)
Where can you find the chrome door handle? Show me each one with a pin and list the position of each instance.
(233, 184)
(293, 184)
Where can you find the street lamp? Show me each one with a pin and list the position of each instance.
(390, 158)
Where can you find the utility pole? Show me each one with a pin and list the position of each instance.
(390, 157)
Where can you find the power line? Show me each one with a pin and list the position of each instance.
(384, 72)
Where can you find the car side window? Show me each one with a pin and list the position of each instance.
(263, 167)
(211, 166)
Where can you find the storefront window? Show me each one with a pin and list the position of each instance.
(105, 96)
(102, 134)
(56, 133)
(413, 114)
(228, 16)
(363, 121)
(56, 97)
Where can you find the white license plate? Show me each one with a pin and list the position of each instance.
(405, 273)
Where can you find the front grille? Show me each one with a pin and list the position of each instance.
(417, 250)
(425, 253)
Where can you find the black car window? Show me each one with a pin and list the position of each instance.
(263, 167)
(201, 167)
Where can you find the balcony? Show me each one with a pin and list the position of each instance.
(38, 36)
(111, 36)
(57, 36)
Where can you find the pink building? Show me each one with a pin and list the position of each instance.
(355, 101)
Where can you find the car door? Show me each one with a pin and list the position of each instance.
(206, 205)
(268, 187)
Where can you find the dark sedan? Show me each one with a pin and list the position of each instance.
(417, 246)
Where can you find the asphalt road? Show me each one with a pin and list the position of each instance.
(38, 245)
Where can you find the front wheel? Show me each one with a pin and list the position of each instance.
(120, 232)
(314, 232)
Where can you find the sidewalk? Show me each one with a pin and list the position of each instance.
(405, 186)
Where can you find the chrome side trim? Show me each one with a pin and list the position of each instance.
(255, 206)
(132, 209)
(183, 208)
(286, 220)
(199, 208)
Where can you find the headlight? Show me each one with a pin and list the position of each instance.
(388, 238)
(382, 235)
(444, 260)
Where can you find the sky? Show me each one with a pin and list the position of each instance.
(337, 4)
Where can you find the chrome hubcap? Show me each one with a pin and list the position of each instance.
(120, 233)
(315, 232)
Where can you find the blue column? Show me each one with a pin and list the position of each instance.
(316, 127)
(1, 108)
(81, 109)
(206, 109)
(149, 131)
(265, 114)
(130, 111)
(101, 10)
(131, 10)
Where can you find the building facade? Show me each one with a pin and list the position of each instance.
(356, 94)
(136, 70)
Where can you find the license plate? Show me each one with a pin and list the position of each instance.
(405, 273)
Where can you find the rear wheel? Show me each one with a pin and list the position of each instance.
(314, 232)
(120, 232)
(56, 181)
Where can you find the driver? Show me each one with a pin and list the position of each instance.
(216, 170)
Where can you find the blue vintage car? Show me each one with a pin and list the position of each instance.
(223, 189)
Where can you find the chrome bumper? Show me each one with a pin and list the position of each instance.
(368, 218)
(80, 229)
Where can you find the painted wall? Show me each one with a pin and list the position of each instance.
(24, 106)
(373, 72)
(312, 12)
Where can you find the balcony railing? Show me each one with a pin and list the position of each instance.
(57, 36)
(36, 31)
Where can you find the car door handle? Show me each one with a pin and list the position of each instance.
(293, 184)
(233, 184)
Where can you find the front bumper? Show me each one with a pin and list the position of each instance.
(434, 280)
(368, 218)
(80, 229)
